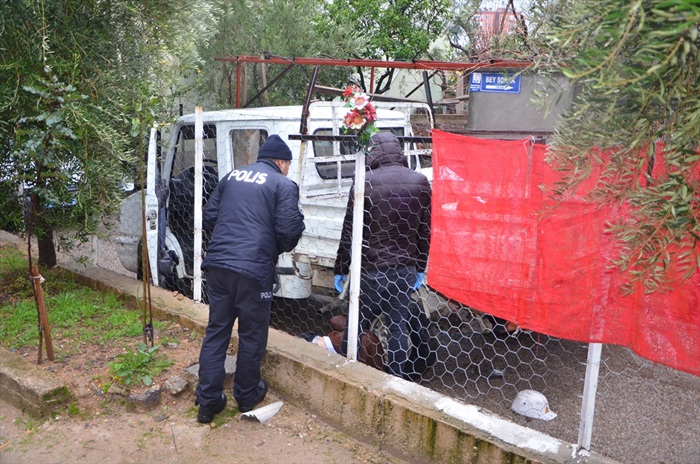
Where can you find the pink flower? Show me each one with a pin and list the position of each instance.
(354, 120)
(370, 113)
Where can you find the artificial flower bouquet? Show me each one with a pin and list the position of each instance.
(360, 118)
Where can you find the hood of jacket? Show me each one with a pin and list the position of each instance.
(385, 150)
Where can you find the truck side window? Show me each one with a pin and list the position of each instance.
(323, 149)
(246, 143)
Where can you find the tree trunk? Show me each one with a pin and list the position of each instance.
(47, 250)
(43, 233)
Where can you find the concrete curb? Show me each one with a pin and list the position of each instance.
(28, 387)
(407, 419)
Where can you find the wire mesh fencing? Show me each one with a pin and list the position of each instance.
(452, 348)
(480, 359)
(642, 408)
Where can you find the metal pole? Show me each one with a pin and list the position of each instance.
(428, 94)
(238, 84)
(304, 125)
(429, 65)
(590, 387)
(356, 254)
(150, 266)
(95, 250)
(198, 161)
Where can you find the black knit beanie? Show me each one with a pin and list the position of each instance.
(275, 148)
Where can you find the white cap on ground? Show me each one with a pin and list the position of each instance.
(531, 403)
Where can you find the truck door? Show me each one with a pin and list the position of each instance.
(180, 207)
(244, 145)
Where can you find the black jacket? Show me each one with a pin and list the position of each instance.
(396, 212)
(255, 214)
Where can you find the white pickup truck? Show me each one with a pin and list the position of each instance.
(231, 138)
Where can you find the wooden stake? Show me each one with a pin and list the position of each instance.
(44, 329)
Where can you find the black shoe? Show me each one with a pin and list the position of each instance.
(262, 391)
(206, 414)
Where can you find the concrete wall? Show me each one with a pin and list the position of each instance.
(520, 112)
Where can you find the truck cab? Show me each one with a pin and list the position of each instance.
(230, 139)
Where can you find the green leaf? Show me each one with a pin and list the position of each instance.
(568, 73)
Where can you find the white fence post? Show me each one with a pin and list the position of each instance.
(356, 254)
(590, 387)
(198, 161)
(152, 208)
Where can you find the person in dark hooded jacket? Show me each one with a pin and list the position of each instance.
(255, 216)
(395, 244)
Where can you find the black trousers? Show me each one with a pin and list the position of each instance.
(233, 296)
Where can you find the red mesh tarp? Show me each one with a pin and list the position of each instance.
(493, 250)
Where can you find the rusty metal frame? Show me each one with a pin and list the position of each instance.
(422, 65)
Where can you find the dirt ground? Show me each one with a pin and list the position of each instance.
(644, 412)
(108, 429)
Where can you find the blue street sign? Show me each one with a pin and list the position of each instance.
(494, 82)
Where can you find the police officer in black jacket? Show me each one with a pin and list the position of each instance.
(255, 216)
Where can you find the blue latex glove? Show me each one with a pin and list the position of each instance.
(338, 280)
(420, 277)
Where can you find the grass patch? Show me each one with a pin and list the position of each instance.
(77, 314)
(14, 272)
